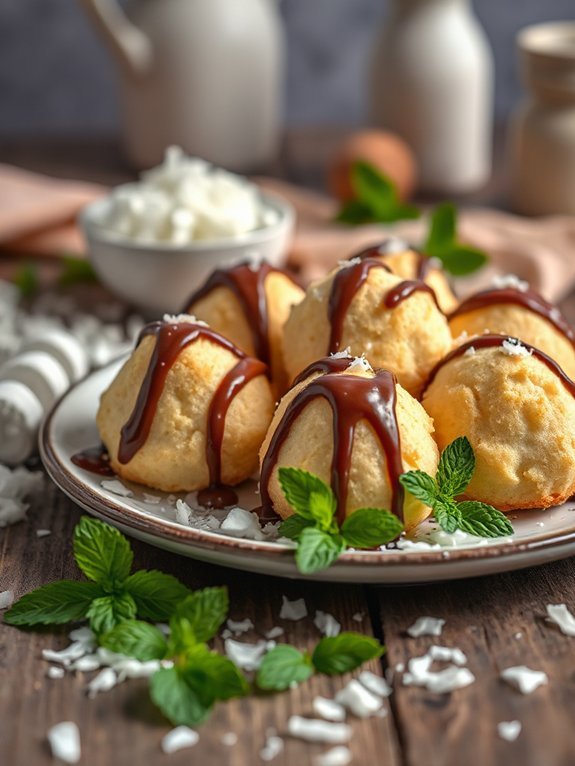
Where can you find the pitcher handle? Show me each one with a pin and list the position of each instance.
(128, 43)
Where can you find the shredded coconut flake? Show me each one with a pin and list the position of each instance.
(293, 610)
(514, 347)
(272, 748)
(55, 672)
(43, 532)
(345, 354)
(274, 632)
(242, 523)
(393, 245)
(117, 488)
(6, 599)
(357, 617)
(375, 684)
(64, 739)
(229, 739)
(509, 730)
(524, 679)
(238, 627)
(15, 486)
(337, 756)
(426, 626)
(182, 319)
(328, 709)
(562, 617)
(447, 654)
(358, 700)
(103, 682)
(449, 679)
(469, 351)
(316, 730)
(179, 738)
(247, 656)
(326, 623)
(505, 281)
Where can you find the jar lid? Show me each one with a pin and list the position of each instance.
(547, 57)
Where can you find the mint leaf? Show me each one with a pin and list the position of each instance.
(298, 487)
(136, 639)
(378, 193)
(456, 467)
(176, 699)
(198, 617)
(370, 528)
(108, 611)
(447, 515)
(212, 676)
(27, 280)
(283, 666)
(442, 243)
(462, 260)
(420, 485)
(156, 594)
(54, 604)
(322, 508)
(340, 654)
(102, 553)
(354, 212)
(76, 270)
(483, 520)
(317, 550)
(442, 229)
(293, 526)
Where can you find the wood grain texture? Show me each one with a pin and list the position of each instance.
(121, 727)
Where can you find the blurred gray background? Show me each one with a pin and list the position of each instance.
(56, 76)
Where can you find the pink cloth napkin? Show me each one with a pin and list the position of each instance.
(37, 216)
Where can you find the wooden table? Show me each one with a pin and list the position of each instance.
(497, 621)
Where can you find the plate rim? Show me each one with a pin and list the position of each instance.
(170, 531)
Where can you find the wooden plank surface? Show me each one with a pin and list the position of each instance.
(121, 727)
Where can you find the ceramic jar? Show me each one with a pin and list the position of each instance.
(543, 129)
(433, 85)
(206, 75)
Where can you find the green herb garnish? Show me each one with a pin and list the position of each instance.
(27, 280)
(285, 666)
(455, 471)
(442, 243)
(375, 198)
(76, 270)
(314, 527)
(191, 676)
(111, 596)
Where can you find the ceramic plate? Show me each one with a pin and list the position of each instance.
(540, 536)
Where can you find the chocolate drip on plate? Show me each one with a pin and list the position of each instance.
(171, 340)
(95, 460)
(528, 299)
(247, 283)
(352, 399)
(493, 341)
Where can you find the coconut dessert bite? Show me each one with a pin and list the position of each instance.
(362, 305)
(249, 304)
(517, 408)
(357, 430)
(187, 411)
(409, 263)
(510, 307)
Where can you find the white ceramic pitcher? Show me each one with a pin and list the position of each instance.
(432, 84)
(206, 75)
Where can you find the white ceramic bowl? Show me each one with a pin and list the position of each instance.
(159, 277)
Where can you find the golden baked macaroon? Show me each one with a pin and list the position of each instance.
(511, 308)
(517, 408)
(249, 304)
(362, 306)
(187, 411)
(409, 263)
(356, 429)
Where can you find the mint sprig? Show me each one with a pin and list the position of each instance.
(442, 243)
(105, 557)
(375, 198)
(455, 471)
(314, 527)
(285, 666)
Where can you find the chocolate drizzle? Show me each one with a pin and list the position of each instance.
(95, 460)
(424, 262)
(247, 283)
(171, 340)
(345, 286)
(323, 365)
(528, 299)
(493, 341)
(404, 290)
(352, 399)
